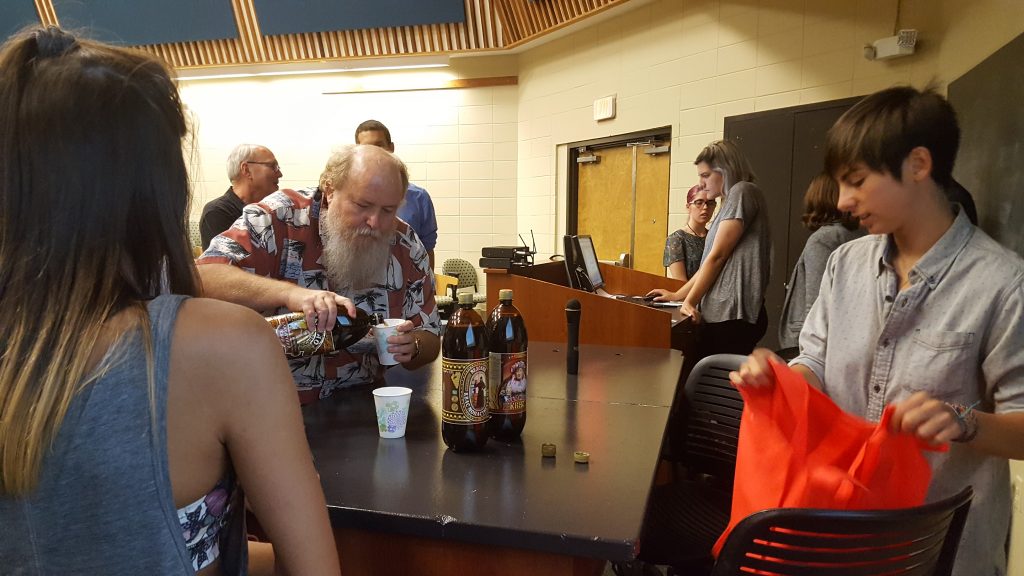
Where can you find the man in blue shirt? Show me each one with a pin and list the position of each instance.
(418, 208)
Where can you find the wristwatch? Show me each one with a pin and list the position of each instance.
(966, 419)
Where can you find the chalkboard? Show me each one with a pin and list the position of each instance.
(988, 100)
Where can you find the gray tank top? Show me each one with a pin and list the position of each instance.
(104, 503)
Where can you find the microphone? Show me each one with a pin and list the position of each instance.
(572, 355)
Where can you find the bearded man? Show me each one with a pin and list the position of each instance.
(326, 250)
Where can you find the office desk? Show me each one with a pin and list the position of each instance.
(410, 506)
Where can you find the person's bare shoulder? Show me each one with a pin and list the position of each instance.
(227, 347)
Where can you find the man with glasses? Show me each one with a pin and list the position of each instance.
(253, 172)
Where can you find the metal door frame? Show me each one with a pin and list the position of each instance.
(663, 134)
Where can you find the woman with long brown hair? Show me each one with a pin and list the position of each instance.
(130, 418)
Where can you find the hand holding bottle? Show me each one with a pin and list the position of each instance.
(319, 306)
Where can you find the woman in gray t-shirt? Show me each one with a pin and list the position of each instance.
(730, 285)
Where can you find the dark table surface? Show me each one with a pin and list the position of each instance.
(507, 495)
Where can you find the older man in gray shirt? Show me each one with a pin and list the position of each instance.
(927, 314)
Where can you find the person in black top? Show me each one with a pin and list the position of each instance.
(254, 172)
(959, 195)
(684, 248)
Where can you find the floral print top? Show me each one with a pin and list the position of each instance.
(203, 520)
(686, 248)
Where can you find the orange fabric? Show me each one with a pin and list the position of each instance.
(797, 449)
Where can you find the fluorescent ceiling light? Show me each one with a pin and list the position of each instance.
(314, 67)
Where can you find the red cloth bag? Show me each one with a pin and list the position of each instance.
(797, 449)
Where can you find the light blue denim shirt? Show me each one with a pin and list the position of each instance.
(418, 212)
(957, 332)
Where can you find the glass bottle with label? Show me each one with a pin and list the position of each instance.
(299, 341)
(508, 367)
(464, 379)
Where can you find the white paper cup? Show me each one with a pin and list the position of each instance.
(392, 403)
(380, 334)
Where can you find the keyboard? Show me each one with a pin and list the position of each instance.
(641, 300)
(646, 301)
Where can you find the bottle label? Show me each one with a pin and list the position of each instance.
(297, 340)
(508, 383)
(464, 391)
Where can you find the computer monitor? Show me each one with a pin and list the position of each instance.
(588, 257)
(581, 263)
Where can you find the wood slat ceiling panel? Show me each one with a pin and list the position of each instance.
(47, 16)
(490, 25)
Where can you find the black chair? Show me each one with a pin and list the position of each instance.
(685, 517)
(788, 354)
(919, 541)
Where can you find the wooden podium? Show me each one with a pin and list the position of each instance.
(542, 291)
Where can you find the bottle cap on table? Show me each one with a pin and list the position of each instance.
(547, 450)
(581, 457)
(505, 294)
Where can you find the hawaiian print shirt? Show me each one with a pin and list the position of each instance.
(280, 238)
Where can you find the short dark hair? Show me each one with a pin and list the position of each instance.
(882, 129)
(373, 126)
(820, 204)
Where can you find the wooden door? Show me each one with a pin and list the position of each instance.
(605, 207)
(622, 203)
(651, 210)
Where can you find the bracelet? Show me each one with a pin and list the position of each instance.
(416, 343)
(966, 419)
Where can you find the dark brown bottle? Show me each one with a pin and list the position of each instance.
(464, 379)
(298, 340)
(508, 367)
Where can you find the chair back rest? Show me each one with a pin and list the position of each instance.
(194, 238)
(461, 269)
(919, 541)
(713, 410)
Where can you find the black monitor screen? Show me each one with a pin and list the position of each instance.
(588, 259)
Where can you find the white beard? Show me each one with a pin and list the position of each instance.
(354, 259)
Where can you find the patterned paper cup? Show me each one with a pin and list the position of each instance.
(392, 404)
(381, 332)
